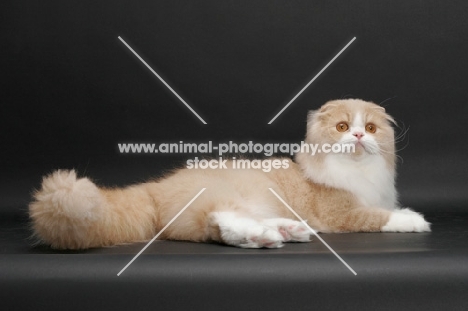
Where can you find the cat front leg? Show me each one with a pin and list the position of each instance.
(371, 219)
(406, 220)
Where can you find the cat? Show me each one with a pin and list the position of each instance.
(334, 192)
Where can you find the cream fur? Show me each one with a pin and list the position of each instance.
(335, 193)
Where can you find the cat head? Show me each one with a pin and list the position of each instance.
(362, 124)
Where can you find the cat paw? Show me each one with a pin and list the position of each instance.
(245, 232)
(268, 238)
(406, 220)
(291, 230)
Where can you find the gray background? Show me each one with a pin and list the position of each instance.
(71, 90)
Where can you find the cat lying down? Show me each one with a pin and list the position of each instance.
(334, 192)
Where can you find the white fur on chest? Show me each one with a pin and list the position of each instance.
(368, 178)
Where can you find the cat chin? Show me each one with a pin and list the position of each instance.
(370, 148)
(366, 176)
(363, 152)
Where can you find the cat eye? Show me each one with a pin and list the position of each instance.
(342, 127)
(371, 128)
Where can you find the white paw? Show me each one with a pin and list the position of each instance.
(266, 238)
(245, 232)
(291, 230)
(406, 220)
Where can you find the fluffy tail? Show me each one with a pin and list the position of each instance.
(71, 213)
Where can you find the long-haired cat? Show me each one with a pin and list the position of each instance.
(334, 192)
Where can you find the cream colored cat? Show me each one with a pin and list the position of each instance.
(343, 192)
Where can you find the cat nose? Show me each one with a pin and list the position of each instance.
(358, 135)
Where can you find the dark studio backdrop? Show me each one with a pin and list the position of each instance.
(71, 90)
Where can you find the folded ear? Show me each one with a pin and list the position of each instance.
(381, 108)
(387, 116)
(327, 106)
(391, 119)
(312, 117)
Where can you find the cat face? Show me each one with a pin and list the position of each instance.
(365, 125)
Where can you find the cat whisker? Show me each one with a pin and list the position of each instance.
(390, 98)
(391, 153)
(402, 134)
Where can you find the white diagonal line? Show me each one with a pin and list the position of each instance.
(316, 76)
(162, 80)
(313, 231)
(162, 230)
